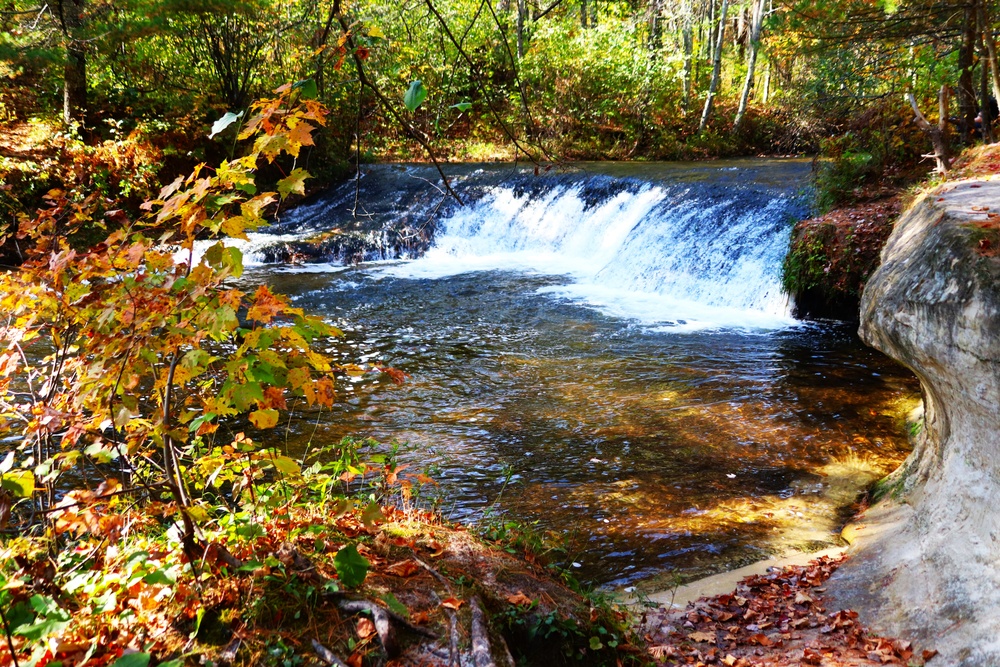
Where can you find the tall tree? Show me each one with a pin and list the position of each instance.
(687, 39)
(70, 15)
(716, 67)
(755, 28)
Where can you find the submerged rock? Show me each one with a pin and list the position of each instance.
(928, 566)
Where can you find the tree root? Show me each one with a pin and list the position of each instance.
(326, 655)
(481, 653)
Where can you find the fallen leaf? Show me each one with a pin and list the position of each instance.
(404, 568)
(927, 655)
(365, 628)
(811, 657)
(707, 637)
(452, 603)
(519, 599)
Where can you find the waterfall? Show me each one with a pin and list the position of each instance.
(671, 250)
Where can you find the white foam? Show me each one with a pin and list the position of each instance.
(681, 265)
(252, 247)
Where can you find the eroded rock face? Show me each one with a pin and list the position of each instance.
(930, 568)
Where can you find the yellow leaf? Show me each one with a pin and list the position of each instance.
(264, 418)
(294, 182)
(286, 465)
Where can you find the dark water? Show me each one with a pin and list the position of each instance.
(648, 450)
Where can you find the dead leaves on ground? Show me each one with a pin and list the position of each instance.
(774, 620)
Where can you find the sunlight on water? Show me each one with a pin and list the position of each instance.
(609, 358)
(645, 450)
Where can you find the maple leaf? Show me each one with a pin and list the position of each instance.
(266, 305)
(264, 418)
(294, 182)
(299, 135)
(452, 603)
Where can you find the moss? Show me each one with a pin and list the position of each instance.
(831, 257)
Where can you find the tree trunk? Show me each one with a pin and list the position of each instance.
(716, 67)
(767, 86)
(687, 36)
(755, 27)
(938, 134)
(655, 27)
(985, 108)
(986, 25)
(966, 63)
(75, 69)
(522, 10)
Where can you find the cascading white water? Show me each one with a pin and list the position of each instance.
(663, 255)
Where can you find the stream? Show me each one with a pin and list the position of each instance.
(605, 354)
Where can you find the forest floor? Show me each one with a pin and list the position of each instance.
(776, 619)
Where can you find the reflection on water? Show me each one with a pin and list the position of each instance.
(648, 450)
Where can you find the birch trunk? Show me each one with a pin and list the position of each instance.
(716, 67)
(755, 27)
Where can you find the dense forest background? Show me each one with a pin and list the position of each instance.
(541, 81)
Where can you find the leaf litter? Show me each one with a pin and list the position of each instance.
(773, 620)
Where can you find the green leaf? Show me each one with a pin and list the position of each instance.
(158, 577)
(133, 660)
(21, 483)
(395, 605)
(198, 618)
(415, 96)
(307, 88)
(352, 567)
(41, 629)
(286, 465)
(228, 119)
(294, 182)
(462, 106)
(595, 643)
(372, 514)
(250, 566)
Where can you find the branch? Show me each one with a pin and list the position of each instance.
(365, 81)
(547, 10)
(479, 84)
(921, 119)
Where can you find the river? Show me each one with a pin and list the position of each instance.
(605, 354)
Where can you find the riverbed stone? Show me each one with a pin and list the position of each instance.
(926, 562)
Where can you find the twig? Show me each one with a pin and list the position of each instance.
(388, 105)
(453, 658)
(10, 639)
(437, 575)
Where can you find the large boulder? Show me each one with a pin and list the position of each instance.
(927, 564)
